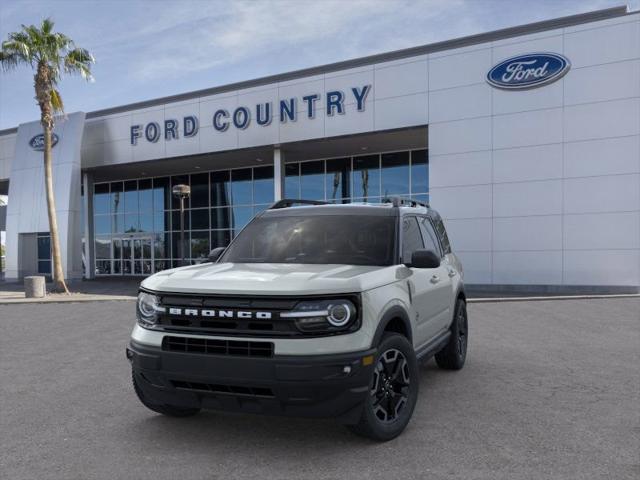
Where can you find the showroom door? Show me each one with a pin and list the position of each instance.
(133, 256)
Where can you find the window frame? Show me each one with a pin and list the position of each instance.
(402, 218)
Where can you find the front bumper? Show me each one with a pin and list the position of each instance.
(293, 385)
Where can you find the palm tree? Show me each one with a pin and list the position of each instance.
(50, 55)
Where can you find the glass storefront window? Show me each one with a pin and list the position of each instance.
(240, 216)
(200, 219)
(312, 180)
(241, 186)
(366, 177)
(337, 179)
(220, 218)
(200, 245)
(145, 195)
(420, 171)
(200, 190)
(263, 185)
(143, 212)
(131, 203)
(220, 189)
(292, 180)
(101, 199)
(161, 194)
(395, 173)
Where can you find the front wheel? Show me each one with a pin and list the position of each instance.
(393, 391)
(454, 354)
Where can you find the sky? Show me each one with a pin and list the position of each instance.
(150, 49)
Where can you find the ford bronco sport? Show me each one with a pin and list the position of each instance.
(313, 310)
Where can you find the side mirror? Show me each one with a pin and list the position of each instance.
(424, 259)
(214, 254)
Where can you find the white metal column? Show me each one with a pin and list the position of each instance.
(278, 174)
(87, 201)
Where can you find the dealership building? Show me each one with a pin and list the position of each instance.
(526, 140)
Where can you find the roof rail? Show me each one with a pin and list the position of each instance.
(290, 202)
(404, 202)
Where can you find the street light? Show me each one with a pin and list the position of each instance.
(182, 192)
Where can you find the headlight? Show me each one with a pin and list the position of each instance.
(147, 309)
(323, 316)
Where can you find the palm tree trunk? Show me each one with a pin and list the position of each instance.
(59, 284)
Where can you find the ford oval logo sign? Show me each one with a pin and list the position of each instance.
(528, 71)
(37, 142)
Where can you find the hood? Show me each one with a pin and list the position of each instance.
(270, 278)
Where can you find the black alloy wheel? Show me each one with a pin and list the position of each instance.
(391, 382)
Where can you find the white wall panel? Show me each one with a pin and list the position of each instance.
(527, 128)
(302, 129)
(540, 162)
(609, 156)
(351, 122)
(459, 103)
(615, 193)
(462, 202)
(212, 140)
(603, 45)
(403, 79)
(602, 267)
(527, 233)
(549, 96)
(527, 268)
(601, 120)
(477, 266)
(399, 112)
(602, 82)
(471, 168)
(602, 231)
(527, 198)
(547, 41)
(460, 136)
(456, 70)
(345, 82)
(473, 234)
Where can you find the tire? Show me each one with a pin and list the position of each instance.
(164, 409)
(454, 354)
(393, 391)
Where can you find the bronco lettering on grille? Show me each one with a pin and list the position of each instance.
(193, 312)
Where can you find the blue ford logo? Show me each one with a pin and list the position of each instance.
(528, 71)
(37, 142)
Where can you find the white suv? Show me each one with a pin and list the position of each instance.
(313, 310)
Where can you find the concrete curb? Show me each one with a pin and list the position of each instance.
(550, 298)
(69, 299)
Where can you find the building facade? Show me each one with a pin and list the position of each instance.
(527, 140)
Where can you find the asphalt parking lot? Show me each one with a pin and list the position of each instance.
(551, 389)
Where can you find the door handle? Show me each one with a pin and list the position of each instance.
(452, 272)
(435, 279)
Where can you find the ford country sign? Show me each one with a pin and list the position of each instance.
(528, 71)
(37, 142)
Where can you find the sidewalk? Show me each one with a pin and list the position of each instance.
(103, 289)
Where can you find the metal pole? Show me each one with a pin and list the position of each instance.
(182, 262)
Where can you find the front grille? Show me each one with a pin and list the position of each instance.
(217, 347)
(256, 327)
(229, 389)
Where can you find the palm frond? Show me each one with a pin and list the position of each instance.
(56, 101)
(79, 61)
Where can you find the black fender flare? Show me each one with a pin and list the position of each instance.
(396, 311)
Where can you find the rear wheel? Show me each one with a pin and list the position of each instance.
(393, 391)
(454, 354)
(164, 409)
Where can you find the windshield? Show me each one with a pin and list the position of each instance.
(342, 239)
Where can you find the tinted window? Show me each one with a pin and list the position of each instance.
(429, 236)
(350, 240)
(442, 232)
(411, 238)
